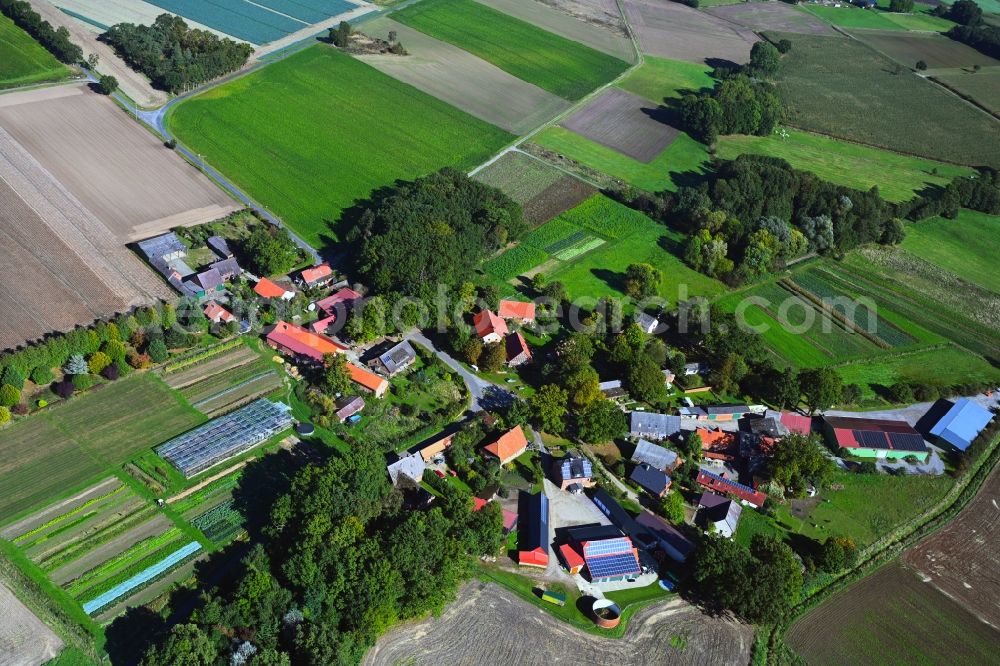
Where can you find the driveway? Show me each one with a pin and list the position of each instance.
(480, 389)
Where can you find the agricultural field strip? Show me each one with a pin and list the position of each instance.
(23, 60)
(143, 577)
(672, 30)
(20, 527)
(221, 523)
(238, 398)
(215, 384)
(201, 370)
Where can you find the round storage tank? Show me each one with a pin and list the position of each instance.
(607, 615)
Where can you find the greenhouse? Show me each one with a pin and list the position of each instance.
(226, 436)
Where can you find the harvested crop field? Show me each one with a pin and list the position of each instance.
(891, 617)
(328, 109)
(603, 34)
(542, 190)
(490, 624)
(761, 16)
(24, 639)
(78, 270)
(828, 83)
(963, 558)
(562, 66)
(936, 50)
(122, 174)
(983, 87)
(624, 122)
(463, 80)
(672, 30)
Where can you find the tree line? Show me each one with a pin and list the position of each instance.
(173, 56)
(56, 40)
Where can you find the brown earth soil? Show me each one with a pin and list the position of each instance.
(624, 122)
(556, 198)
(672, 30)
(123, 174)
(603, 13)
(488, 624)
(963, 559)
(24, 639)
(772, 16)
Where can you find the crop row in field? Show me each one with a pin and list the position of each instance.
(189, 368)
(142, 577)
(70, 444)
(23, 60)
(519, 176)
(221, 523)
(561, 66)
(514, 262)
(241, 394)
(827, 83)
(299, 136)
(213, 384)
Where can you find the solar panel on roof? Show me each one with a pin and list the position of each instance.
(613, 565)
(907, 442)
(870, 439)
(606, 547)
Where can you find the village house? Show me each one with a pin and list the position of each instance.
(436, 445)
(310, 347)
(519, 311)
(266, 288)
(612, 389)
(720, 512)
(721, 484)
(392, 358)
(533, 536)
(665, 536)
(508, 446)
(715, 412)
(655, 456)
(962, 423)
(604, 551)
(348, 407)
(319, 275)
(220, 246)
(340, 302)
(718, 444)
(573, 472)
(407, 471)
(509, 517)
(217, 314)
(652, 425)
(882, 439)
(652, 480)
(648, 323)
(517, 350)
(489, 327)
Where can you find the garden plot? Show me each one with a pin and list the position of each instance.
(542, 190)
(226, 381)
(122, 174)
(672, 30)
(463, 80)
(210, 508)
(624, 122)
(602, 31)
(892, 617)
(102, 545)
(772, 16)
(197, 370)
(24, 639)
(936, 50)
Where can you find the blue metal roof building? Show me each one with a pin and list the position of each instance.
(962, 424)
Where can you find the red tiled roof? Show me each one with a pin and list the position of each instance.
(508, 446)
(509, 519)
(268, 289)
(517, 310)
(369, 380)
(317, 273)
(572, 558)
(216, 312)
(299, 341)
(486, 323)
(478, 503)
(718, 444)
(797, 423)
(727, 487)
(320, 325)
(345, 296)
(537, 557)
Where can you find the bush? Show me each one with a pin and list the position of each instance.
(98, 362)
(41, 375)
(107, 84)
(111, 372)
(41, 404)
(4, 415)
(921, 65)
(170, 143)
(63, 389)
(82, 382)
(9, 395)
(784, 46)
(157, 351)
(12, 376)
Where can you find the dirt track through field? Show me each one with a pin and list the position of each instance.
(59, 265)
(624, 122)
(963, 559)
(123, 174)
(461, 79)
(489, 625)
(24, 639)
(671, 30)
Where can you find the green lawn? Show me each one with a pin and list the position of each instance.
(318, 131)
(24, 61)
(849, 509)
(561, 66)
(898, 177)
(68, 445)
(658, 79)
(854, 17)
(683, 156)
(967, 246)
(920, 21)
(948, 365)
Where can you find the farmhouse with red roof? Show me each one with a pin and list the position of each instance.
(489, 327)
(266, 288)
(508, 446)
(517, 310)
(317, 276)
(215, 313)
(724, 486)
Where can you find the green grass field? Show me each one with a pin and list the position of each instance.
(561, 66)
(658, 79)
(934, 366)
(24, 61)
(316, 132)
(967, 246)
(898, 177)
(854, 17)
(68, 445)
(683, 156)
(839, 86)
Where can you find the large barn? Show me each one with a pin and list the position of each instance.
(876, 438)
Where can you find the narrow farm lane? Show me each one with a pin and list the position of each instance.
(478, 387)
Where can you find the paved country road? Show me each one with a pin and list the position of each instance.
(479, 388)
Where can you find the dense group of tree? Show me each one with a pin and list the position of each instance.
(983, 38)
(270, 250)
(433, 231)
(57, 41)
(173, 56)
(339, 561)
(962, 12)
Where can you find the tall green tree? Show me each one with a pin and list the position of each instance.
(822, 388)
(548, 407)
